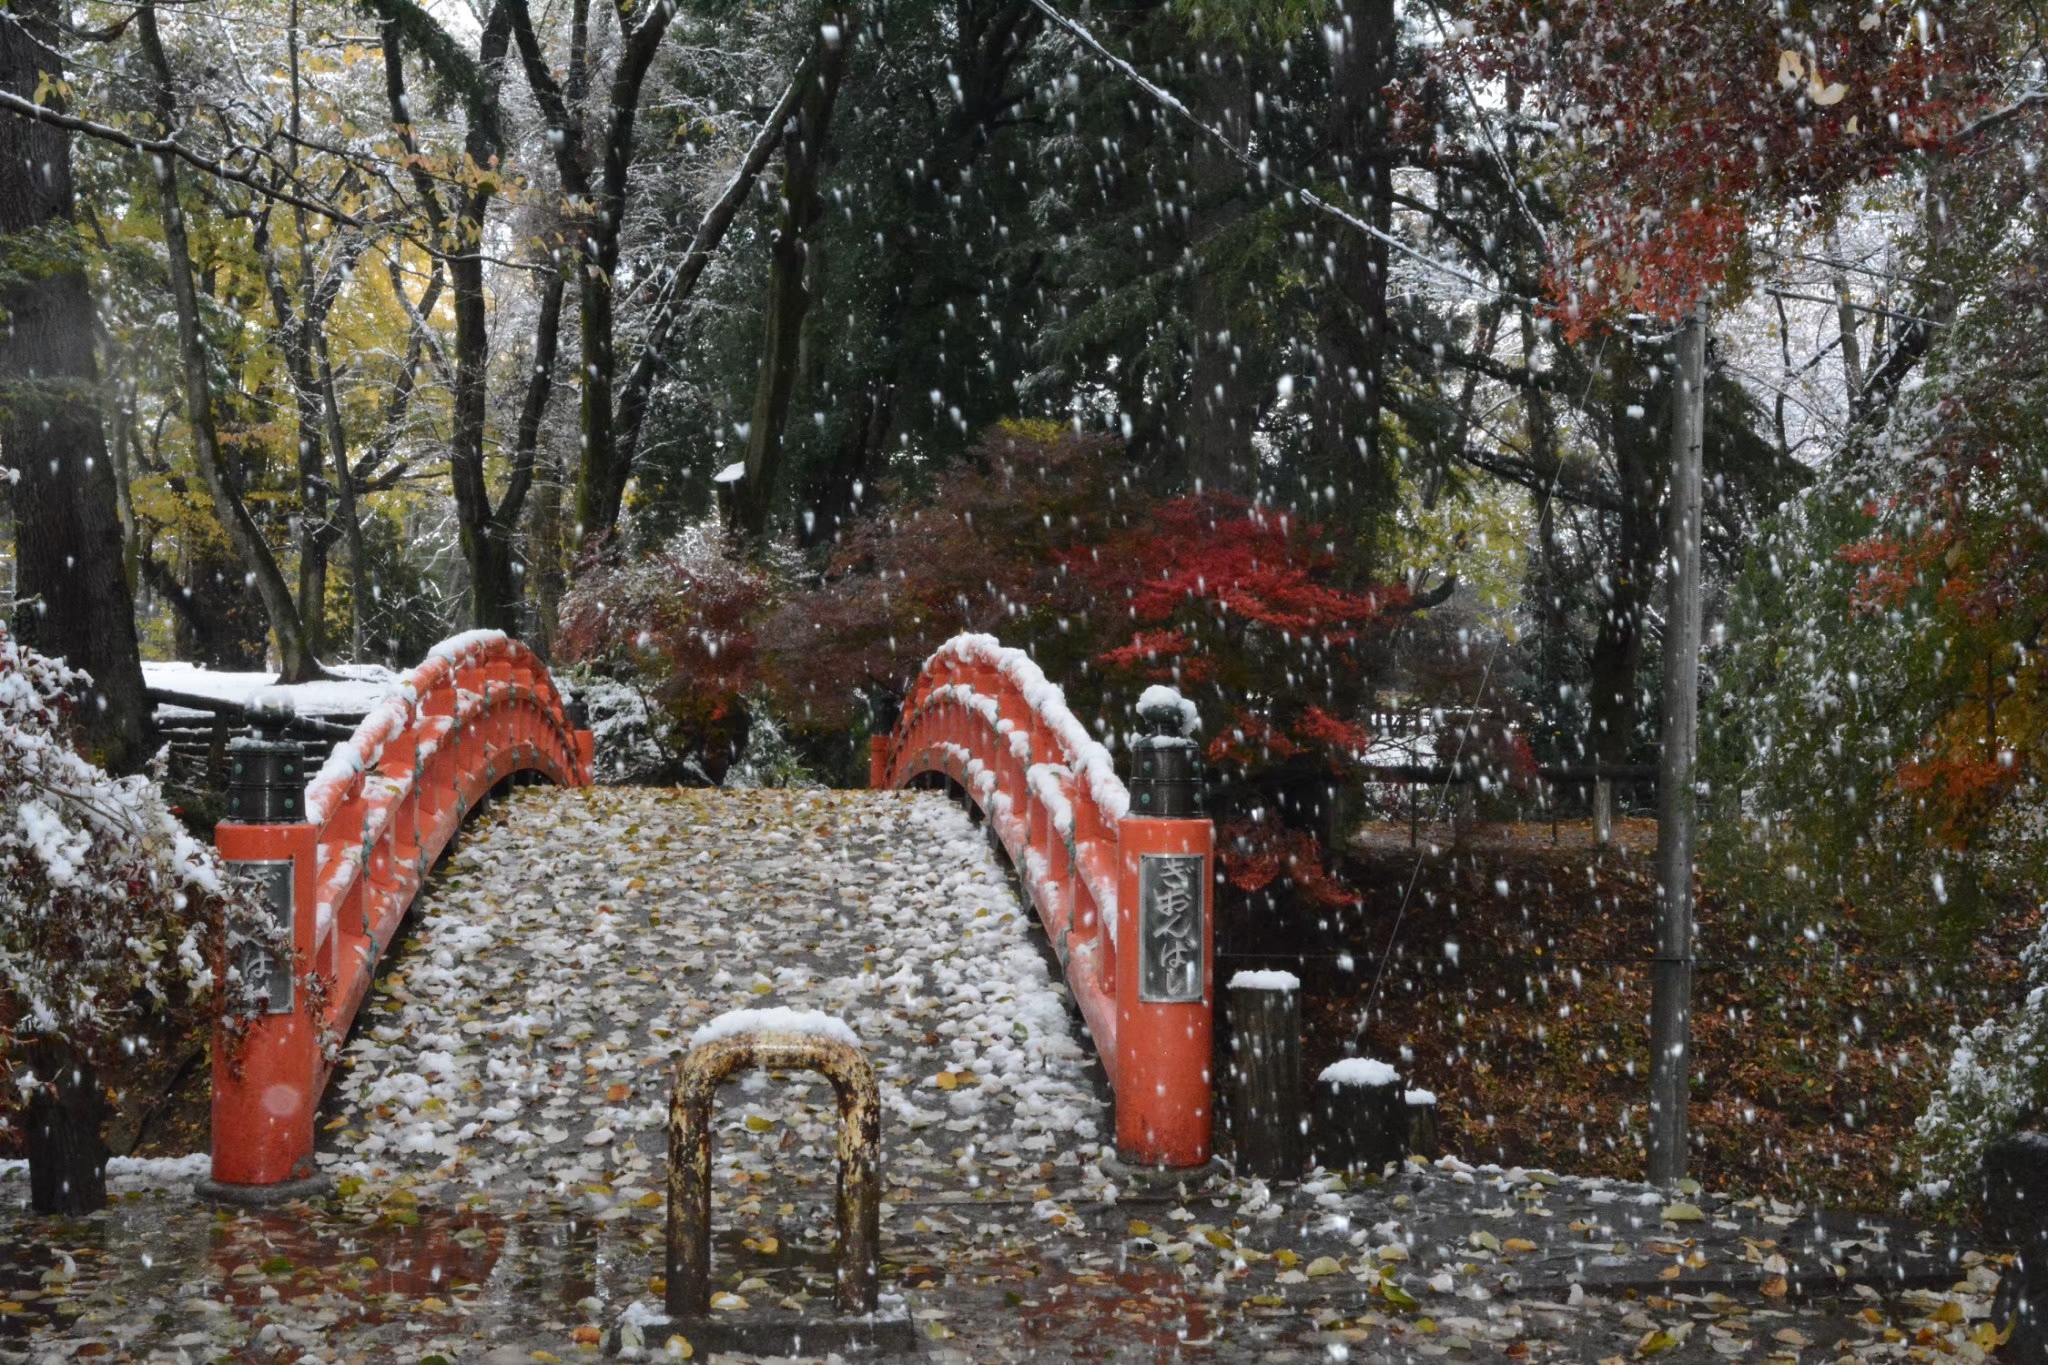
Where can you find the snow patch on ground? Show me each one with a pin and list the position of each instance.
(354, 690)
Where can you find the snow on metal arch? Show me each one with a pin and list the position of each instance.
(985, 717)
(480, 710)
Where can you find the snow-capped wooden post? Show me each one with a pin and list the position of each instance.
(778, 1040)
(1361, 1118)
(1268, 1130)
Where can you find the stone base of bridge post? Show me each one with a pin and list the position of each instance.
(265, 1196)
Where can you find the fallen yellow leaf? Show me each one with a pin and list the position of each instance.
(1518, 1244)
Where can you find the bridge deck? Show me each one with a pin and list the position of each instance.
(525, 1041)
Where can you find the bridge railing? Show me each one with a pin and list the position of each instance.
(1123, 894)
(341, 858)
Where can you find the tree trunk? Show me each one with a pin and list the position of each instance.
(1351, 339)
(494, 599)
(296, 660)
(66, 1120)
(68, 543)
(803, 153)
(345, 510)
(836, 489)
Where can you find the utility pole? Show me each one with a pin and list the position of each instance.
(1671, 987)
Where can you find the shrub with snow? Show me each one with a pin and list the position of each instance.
(114, 921)
(1997, 1083)
(677, 626)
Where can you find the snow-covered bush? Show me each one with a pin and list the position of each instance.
(633, 742)
(769, 759)
(114, 922)
(678, 627)
(1997, 1083)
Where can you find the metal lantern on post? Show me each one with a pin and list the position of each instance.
(1163, 774)
(267, 771)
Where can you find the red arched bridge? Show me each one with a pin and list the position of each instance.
(1119, 876)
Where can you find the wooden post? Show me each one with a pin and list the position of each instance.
(1361, 1120)
(1671, 986)
(2015, 1170)
(1268, 1130)
(1421, 1141)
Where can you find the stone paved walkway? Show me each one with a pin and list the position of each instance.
(497, 1133)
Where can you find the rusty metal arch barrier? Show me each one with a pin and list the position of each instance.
(341, 859)
(1120, 877)
(859, 1201)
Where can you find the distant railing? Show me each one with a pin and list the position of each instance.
(341, 857)
(1120, 877)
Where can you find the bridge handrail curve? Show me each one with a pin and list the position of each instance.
(478, 710)
(986, 717)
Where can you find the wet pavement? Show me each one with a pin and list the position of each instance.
(497, 1138)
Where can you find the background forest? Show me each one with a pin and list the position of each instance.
(1315, 355)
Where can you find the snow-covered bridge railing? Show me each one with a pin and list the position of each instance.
(341, 858)
(1119, 877)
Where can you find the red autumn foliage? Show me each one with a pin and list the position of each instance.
(680, 620)
(1257, 853)
(1662, 153)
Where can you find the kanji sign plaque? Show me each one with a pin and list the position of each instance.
(1171, 903)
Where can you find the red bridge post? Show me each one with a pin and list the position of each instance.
(1166, 978)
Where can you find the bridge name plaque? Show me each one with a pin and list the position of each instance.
(274, 881)
(1171, 902)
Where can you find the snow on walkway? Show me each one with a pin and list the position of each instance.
(524, 1041)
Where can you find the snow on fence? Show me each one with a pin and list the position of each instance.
(479, 711)
(1124, 899)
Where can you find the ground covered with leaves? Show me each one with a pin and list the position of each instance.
(1518, 989)
(496, 1137)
